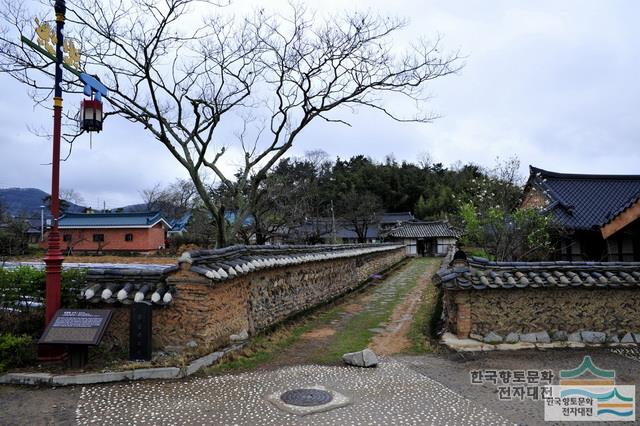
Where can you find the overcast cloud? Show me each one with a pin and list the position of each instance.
(555, 83)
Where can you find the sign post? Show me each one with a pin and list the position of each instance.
(77, 329)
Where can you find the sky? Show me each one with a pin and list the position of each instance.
(554, 83)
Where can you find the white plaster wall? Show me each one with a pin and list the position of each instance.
(410, 247)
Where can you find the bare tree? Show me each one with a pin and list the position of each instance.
(425, 160)
(359, 211)
(71, 245)
(277, 73)
(72, 196)
(152, 196)
(173, 200)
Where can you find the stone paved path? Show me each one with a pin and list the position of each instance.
(395, 336)
(385, 309)
(391, 394)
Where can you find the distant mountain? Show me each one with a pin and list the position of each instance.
(132, 208)
(27, 202)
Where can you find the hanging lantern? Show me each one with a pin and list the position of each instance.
(91, 115)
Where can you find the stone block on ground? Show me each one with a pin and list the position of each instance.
(613, 338)
(512, 338)
(493, 338)
(205, 361)
(363, 358)
(575, 337)
(559, 336)
(596, 337)
(542, 337)
(157, 373)
(26, 378)
(243, 335)
(528, 337)
(85, 379)
(636, 336)
(627, 338)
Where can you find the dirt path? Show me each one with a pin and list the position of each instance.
(395, 337)
(379, 316)
(26, 405)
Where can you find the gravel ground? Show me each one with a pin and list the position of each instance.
(421, 389)
(391, 394)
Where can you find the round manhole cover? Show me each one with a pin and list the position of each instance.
(306, 397)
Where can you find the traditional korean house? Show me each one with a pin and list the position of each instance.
(425, 238)
(389, 221)
(597, 214)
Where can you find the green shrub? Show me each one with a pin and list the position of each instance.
(22, 292)
(15, 351)
(436, 316)
(479, 252)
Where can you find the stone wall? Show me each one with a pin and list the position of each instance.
(284, 292)
(209, 312)
(614, 311)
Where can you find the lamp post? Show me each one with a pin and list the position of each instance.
(91, 122)
(53, 259)
(41, 223)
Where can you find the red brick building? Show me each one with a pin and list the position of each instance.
(107, 232)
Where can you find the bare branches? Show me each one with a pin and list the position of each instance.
(181, 76)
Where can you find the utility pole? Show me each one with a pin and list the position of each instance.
(41, 223)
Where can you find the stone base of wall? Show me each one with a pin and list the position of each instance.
(612, 313)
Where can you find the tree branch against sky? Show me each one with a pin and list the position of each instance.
(269, 75)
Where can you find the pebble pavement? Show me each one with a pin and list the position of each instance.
(391, 394)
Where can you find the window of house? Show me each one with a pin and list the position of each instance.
(128, 237)
(98, 238)
(66, 237)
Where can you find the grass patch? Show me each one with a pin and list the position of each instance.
(424, 327)
(357, 335)
(478, 251)
(264, 347)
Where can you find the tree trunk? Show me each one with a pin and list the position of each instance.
(221, 238)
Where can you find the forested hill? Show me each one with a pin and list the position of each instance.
(429, 190)
(27, 201)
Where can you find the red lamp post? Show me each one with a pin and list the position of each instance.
(53, 259)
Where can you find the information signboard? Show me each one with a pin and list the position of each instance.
(77, 327)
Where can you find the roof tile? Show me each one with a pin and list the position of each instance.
(486, 274)
(582, 201)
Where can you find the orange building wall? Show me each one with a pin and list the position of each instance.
(144, 239)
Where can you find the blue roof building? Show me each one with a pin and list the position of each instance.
(111, 220)
(144, 232)
(597, 215)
